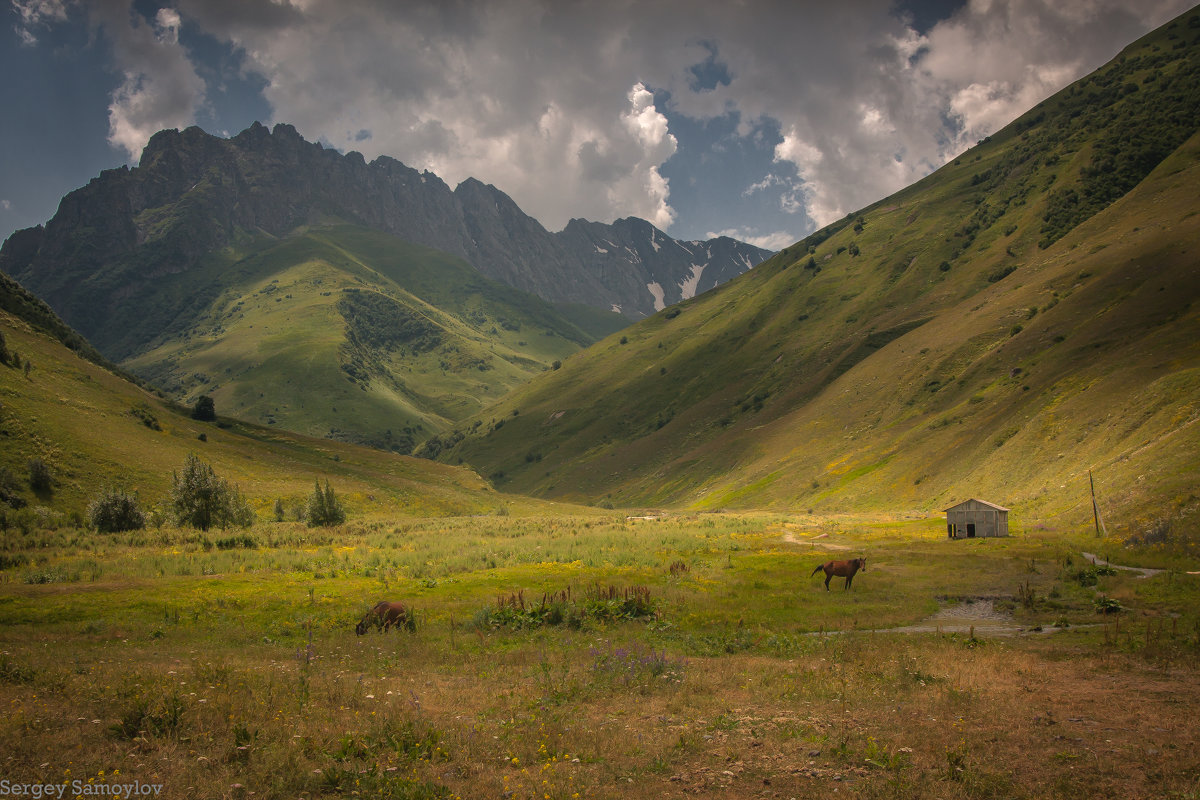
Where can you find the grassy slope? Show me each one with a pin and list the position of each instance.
(273, 347)
(80, 418)
(911, 375)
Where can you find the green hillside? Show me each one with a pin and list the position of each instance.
(93, 428)
(353, 334)
(1017, 318)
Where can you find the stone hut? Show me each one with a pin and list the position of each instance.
(972, 518)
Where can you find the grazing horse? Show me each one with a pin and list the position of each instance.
(384, 615)
(843, 569)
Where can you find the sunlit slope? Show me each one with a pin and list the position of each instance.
(94, 428)
(996, 330)
(354, 334)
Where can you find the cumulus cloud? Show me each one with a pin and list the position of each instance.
(160, 87)
(545, 100)
(569, 107)
(767, 241)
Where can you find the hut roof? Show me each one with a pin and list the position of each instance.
(977, 500)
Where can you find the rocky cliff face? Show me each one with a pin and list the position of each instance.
(194, 194)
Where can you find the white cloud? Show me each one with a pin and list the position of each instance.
(885, 106)
(555, 103)
(768, 241)
(160, 88)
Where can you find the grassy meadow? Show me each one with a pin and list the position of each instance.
(226, 665)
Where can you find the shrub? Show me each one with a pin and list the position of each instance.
(10, 489)
(41, 480)
(205, 409)
(324, 508)
(199, 499)
(599, 604)
(116, 510)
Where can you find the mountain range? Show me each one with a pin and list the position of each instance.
(1019, 323)
(1023, 315)
(194, 194)
(308, 289)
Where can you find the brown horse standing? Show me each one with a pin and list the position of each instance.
(384, 615)
(843, 569)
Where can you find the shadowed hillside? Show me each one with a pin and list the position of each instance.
(93, 428)
(1024, 314)
(356, 335)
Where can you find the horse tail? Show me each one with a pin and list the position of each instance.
(818, 569)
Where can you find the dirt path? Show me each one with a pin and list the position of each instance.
(790, 538)
(1143, 572)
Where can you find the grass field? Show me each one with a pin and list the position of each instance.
(227, 666)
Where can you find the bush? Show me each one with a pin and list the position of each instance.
(324, 508)
(205, 409)
(41, 480)
(116, 510)
(10, 489)
(199, 499)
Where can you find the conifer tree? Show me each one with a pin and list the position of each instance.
(323, 508)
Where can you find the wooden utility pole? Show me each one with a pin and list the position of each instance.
(1095, 508)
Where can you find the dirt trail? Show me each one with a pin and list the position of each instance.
(790, 538)
(1144, 572)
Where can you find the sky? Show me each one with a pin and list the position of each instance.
(758, 119)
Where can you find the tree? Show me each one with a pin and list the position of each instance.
(323, 507)
(205, 409)
(3, 349)
(116, 510)
(41, 480)
(199, 499)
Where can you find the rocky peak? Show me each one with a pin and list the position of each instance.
(193, 193)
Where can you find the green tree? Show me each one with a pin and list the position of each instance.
(199, 499)
(3, 349)
(41, 479)
(323, 507)
(116, 510)
(205, 409)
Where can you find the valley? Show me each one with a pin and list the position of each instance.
(253, 386)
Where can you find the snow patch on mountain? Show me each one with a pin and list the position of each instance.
(657, 292)
(689, 284)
